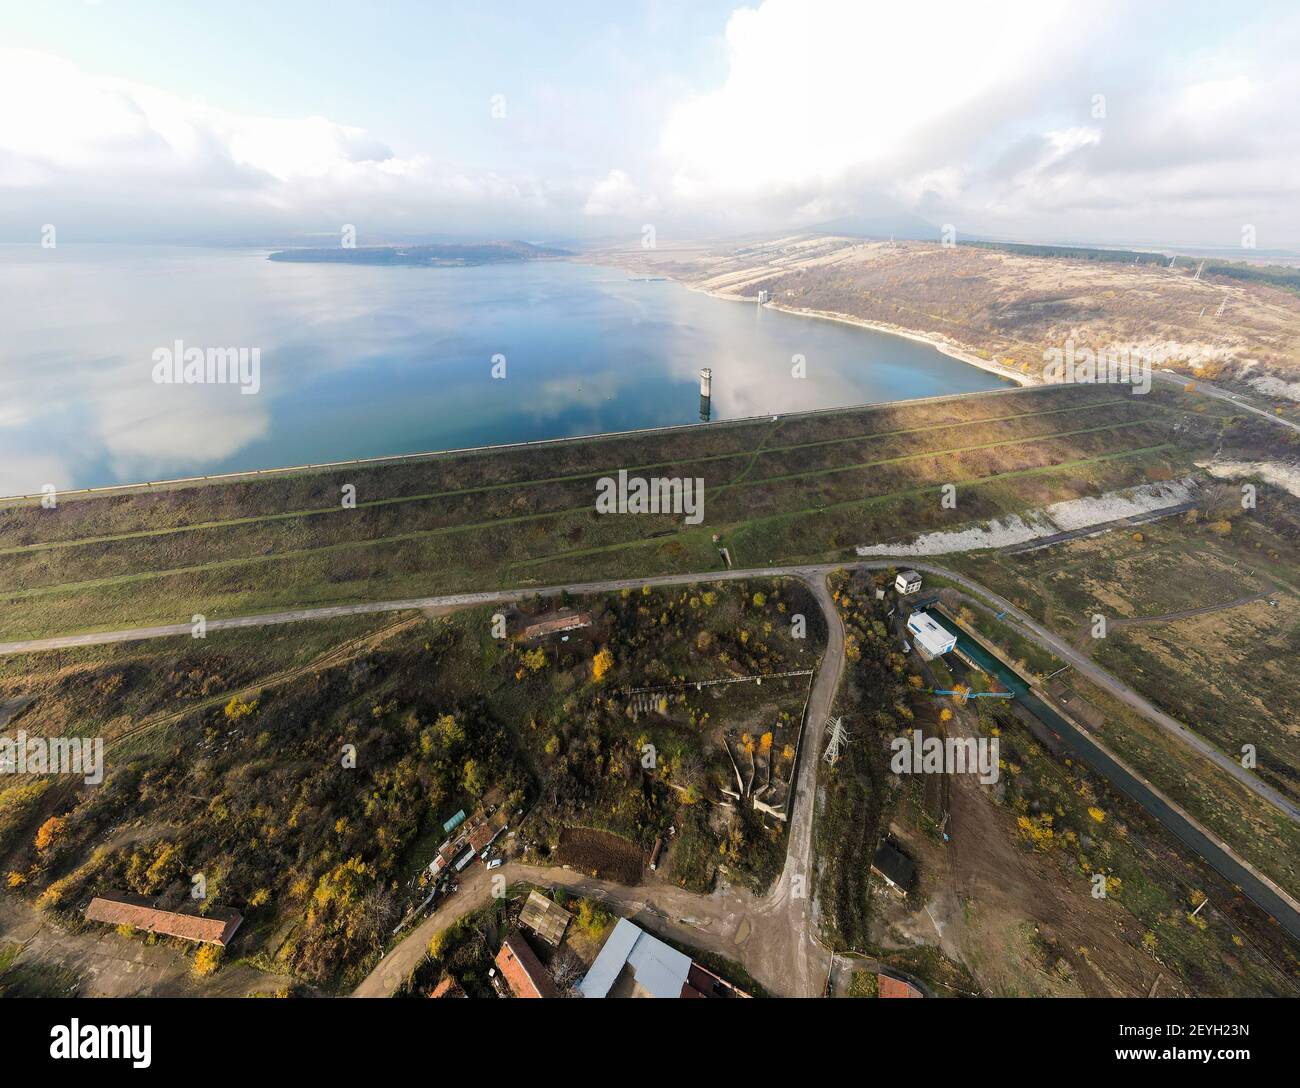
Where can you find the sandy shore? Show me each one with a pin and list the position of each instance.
(934, 340)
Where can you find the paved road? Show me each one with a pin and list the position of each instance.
(1121, 691)
(446, 603)
(813, 574)
(1222, 394)
(781, 927)
(1132, 521)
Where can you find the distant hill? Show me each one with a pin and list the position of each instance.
(437, 255)
(1274, 275)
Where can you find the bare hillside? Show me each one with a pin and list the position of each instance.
(1010, 307)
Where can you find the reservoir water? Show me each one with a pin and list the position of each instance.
(360, 361)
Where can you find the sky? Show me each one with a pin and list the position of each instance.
(1145, 123)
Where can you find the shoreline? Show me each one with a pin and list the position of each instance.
(934, 340)
(428, 455)
(1022, 381)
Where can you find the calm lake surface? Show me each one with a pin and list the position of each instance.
(362, 361)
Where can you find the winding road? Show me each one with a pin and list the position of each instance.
(813, 574)
(1222, 394)
(774, 935)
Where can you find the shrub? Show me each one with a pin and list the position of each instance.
(207, 961)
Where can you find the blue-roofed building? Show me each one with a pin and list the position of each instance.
(633, 963)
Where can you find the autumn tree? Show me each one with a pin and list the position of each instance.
(236, 708)
(472, 778)
(51, 832)
(207, 961)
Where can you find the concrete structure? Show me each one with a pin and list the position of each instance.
(1076, 706)
(706, 382)
(908, 581)
(121, 910)
(930, 638)
(632, 963)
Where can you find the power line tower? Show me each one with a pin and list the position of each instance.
(839, 737)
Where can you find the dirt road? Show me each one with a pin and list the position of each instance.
(811, 573)
(773, 935)
(1222, 394)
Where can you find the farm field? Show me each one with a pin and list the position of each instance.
(789, 489)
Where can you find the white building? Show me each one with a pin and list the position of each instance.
(930, 638)
(908, 581)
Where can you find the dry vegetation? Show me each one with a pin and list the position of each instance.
(801, 487)
(1009, 306)
(228, 757)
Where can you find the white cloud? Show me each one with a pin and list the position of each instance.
(618, 195)
(819, 93)
(957, 112)
(75, 145)
(984, 117)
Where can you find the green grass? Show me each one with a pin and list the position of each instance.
(800, 489)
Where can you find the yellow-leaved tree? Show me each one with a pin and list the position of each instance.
(206, 960)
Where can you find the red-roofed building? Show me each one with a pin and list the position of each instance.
(120, 910)
(522, 970)
(485, 833)
(895, 987)
(556, 624)
(448, 987)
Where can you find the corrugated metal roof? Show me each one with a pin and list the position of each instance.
(547, 919)
(660, 969)
(609, 962)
